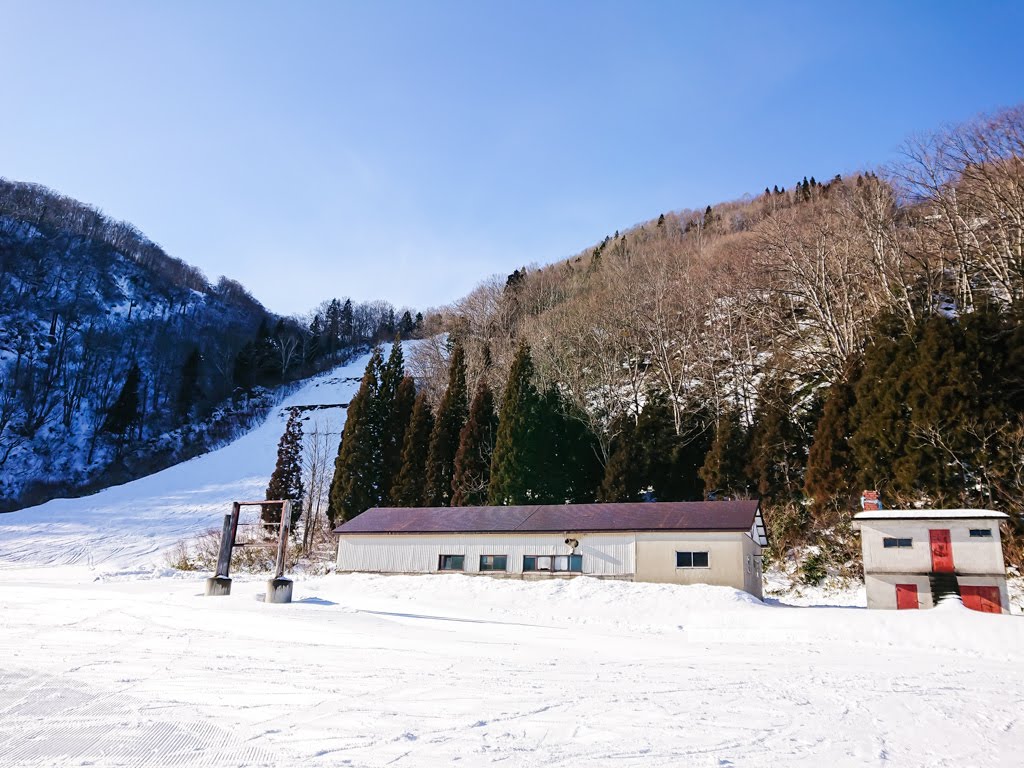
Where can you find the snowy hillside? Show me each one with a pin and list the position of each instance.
(131, 526)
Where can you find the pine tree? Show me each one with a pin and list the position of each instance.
(409, 487)
(444, 441)
(356, 482)
(622, 481)
(391, 409)
(189, 391)
(124, 415)
(517, 447)
(476, 446)
(286, 480)
(777, 458)
(346, 324)
(724, 466)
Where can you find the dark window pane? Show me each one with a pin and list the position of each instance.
(906, 542)
(981, 533)
(700, 559)
(452, 562)
(500, 563)
(576, 563)
(887, 543)
(529, 564)
(684, 559)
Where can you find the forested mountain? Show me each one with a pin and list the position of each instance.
(800, 345)
(117, 359)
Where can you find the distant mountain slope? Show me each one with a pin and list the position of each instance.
(84, 300)
(132, 525)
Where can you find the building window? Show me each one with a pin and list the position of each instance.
(451, 563)
(691, 560)
(493, 562)
(553, 563)
(890, 543)
(981, 533)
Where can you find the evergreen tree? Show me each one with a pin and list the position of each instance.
(476, 446)
(724, 466)
(189, 391)
(777, 458)
(406, 325)
(286, 480)
(830, 468)
(518, 449)
(444, 441)
(346, 324)
(397, 428)
(356, 483)
(567, 470)
(409, 487)
(622, 479)
(332, 327)
(656, 443)
(124, 414)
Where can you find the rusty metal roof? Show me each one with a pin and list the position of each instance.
(548, 518)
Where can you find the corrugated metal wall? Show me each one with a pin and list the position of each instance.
(603, 554)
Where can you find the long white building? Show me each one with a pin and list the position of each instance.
(716, 542)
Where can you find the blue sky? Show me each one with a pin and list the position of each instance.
(408, 150)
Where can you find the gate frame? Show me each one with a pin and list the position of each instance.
(220, 582)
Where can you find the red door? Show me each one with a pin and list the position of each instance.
(906, 596)
(942, 552)
(984, 599)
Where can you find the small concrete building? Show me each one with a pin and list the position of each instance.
(714, 542)
(914, 558)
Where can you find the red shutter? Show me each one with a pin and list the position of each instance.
(906, 596)
(984, 599)
(942, 552)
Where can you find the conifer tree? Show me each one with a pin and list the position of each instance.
(189, 392)
(830, 469)
(517, 448)
(409, 487)
(398, 426)
(444, 441)
(724, 466)
(567, 470)
(286, 480)
(777, 457)
(656, 443)
(476, 446)
(124, 415)
(356, 482)
(390, 412)
(622, 481)
(347, 323)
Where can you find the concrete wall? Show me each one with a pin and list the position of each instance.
(881, 588)
(970, 555)
(727, 559)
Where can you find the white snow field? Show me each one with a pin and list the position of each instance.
(108, 658)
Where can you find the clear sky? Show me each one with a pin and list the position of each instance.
(407, 150)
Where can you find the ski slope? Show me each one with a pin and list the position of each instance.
(131, 526)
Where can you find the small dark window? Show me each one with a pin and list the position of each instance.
(890, 543)
(452, 563)
(493, 562)
(981, 533)
(692, 560)
(576, 563)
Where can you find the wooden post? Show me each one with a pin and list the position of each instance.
(227, 541)
(282, 543)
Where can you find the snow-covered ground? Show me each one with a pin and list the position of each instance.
(111, 659)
